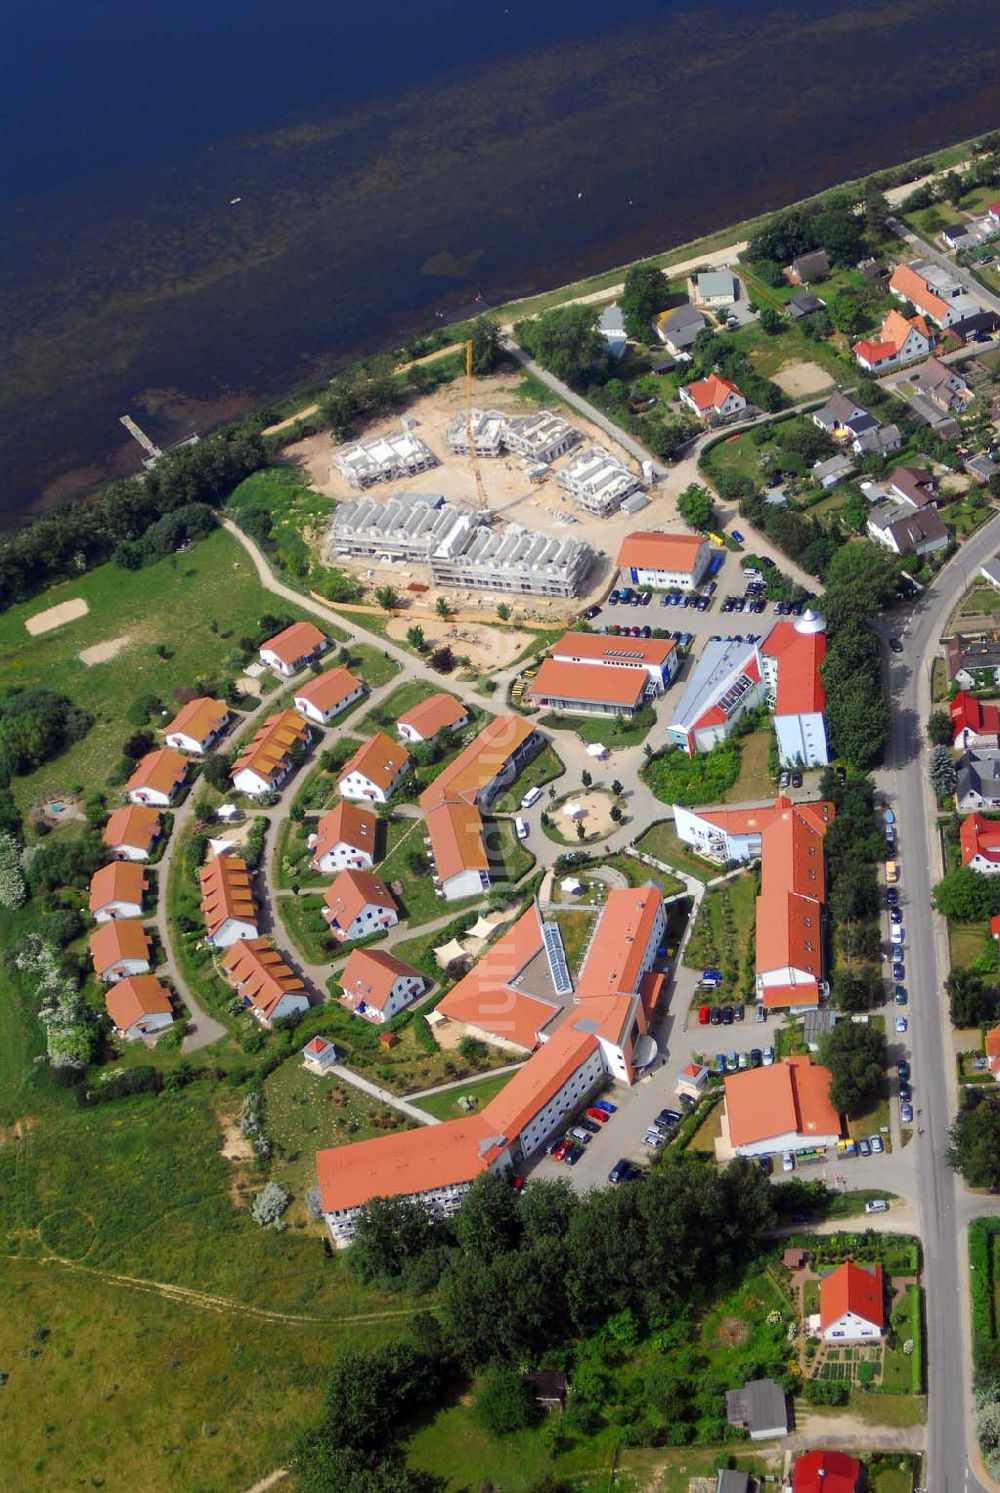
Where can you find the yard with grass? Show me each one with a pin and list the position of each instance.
(576, 925)
(303, 921)
(756, 779)
(446, 1106)
(723, 938)
(703, 779)
(611, 731)
(177, 623)
(661, 842)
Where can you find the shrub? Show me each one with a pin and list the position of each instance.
(268, 1206)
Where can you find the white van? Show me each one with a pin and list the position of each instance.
(520, 829)
(531, 797)
(877, 1205)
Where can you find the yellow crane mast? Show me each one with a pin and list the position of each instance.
(482, 502)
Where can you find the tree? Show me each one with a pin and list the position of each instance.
(840, 230)
(939, 728)
(443, 659)
(616, 787)
(861, 580)
(215, 770)
(137, 745)
(953, 188)
(772, 323)
(390, 1233)
(442, 607)
(941, 771)
(269, 1204)
(696, 508)
(486, 1224)
(974, 1141)
(565, 341)
(12, 889)
(617, 814)
(854, 895)
(857, 718)
(646, 292)
(963, 896)
(415, 637)
(855, 1056)
(387, 598)
(586, 778)
(504, 1403)
(486, 349)
(877, 212)
(970, 1000)
(503, 611)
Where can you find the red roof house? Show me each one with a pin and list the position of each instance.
(826, 1472)
(850, 1303)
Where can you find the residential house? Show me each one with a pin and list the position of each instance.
(119, 949)
(548, 1388)
(913, 485)
(978, 780)
(293, 648)
(983, 468)
(974, 328)
(835, 469)
(158, 778)
(991, 1042)
(973, 663)
(344, 839)
(881, 441)
(116, 891)
(131, 833)
(714, 290)
(266, 762)
(760, 1408)
(377, 985)
(713, 398)
(678, 328)
(842, 419)
(979, 840)
(900, 340)
(268, 988)
(943, 385)
(806, 267)
(432, 716)
(139, 1006)
(804, 303)
(973, 722)
(327, 695)
(850, 1304)
(785, 1107)
(990, 571)
(692, 1082)
(905, 532)
(456, 841)
(666, 562)
(198, 726)
(228, 905)
(733, 1480)
(611, 326)
(319, 1055)
(827, 1472)
(375, 770)
(935, 292)
(358, 903)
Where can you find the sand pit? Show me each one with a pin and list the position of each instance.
(101, 653)
(57, 616)
(800, 379)
(484, 646)
(594, 814)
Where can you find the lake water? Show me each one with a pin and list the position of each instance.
(393, 160)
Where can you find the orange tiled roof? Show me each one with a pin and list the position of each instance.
(653, 550)
(614, 961)
(298, 641)
(480, 762)
(379, 759)
(226, 892)
(800, 685)
(119, 881)
(257, 970)
(370, 974)
(199, 718)
(711, 393)
(163, 770)
(326, 691)
(539, 1080)
(348, 823)
(486, 997)
(269, 752)
(850, 1288)
(136, 825)
(790, 1096)
(456, 836)
(789, 933)
(122, 938)
(906, 282)
(584, 682)
(433, 715)
(138, 996)
(979, 836)
(352, 891)
(409, 1161)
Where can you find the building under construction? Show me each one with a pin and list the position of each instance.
(541, 436)
(598, 481)
(488, 429)
(458, 547)
(388, 458)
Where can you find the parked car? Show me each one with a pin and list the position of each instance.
(905, 1092)
(597, 1116)
(796, 780)
(906, 1114)
(589, 1125)
(573, 1155)
(622, 1171)
(901, 1024)
(895, 914)
(864, 1147)
(606, 1105)
(732, 1062)
(891, 896)
(766, 1164)
(578, 1133)
(903, 1070)
(784, 778)
(768, 1056)
(896, 644)
(739, 1012)
(668, 1117)
(898, 970)
(896, 933)
(727, 1016)
(787, 1161)
(756, 1057)
(715, 1015)
(703, 1015)
(560, 1148)
(653, 1139)
(719, 1062)
(744, 1061)
(875, 1141)
(899, 995)
(591, 613)
(761, 1013)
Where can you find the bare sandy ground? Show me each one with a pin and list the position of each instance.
(802, 379)
(596, 817)
(485, 646)
(101, 653)
(57, 616)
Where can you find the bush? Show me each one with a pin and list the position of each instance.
(504, 1403)
(268, 1206)
(824, 1392)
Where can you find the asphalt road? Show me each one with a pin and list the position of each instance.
(943, 1203)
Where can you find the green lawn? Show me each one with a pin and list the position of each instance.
(445, 1106)
(576, 926)
(365, 660)
(966, 942)
(723, 938)
(306, 928)
(755, 779)
(402, 699)
(607, 730)
(901, 1373)
(661, 841)
(771, 354)
(299, 514)
(703, 779)
(510, 858)
(172, 603)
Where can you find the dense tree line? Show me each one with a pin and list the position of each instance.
(974, 1139)
(567, 343)
(853, 845)
(831, 224)
(77, 536)
(36, 724)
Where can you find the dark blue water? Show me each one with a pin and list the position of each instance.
(393, 159)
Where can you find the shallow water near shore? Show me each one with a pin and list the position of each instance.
(392, 161)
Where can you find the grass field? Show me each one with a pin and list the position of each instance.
(402, 699)
(303, 921)
(755, 780)
(445, 1106)
(172, 603)
(576, 926)
(661, 841)
(607, 730)
(723, 938)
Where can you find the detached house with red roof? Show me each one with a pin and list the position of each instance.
(344, 839)
(158, 778)
(117, 890)
(131, 833)
(265, 763)
(120, 949)
(432, 716)
(227, 901)
(935, 293)
(327, 695)
(357, 904)
(293, 648)
(851, 1308)
(827, 1472)
(785, 1107)
(263, 981)
(979, 839)
(900, 340)
(375, 770)
(667, 562)
(197, 726)
(973, 723)
(713, 399)
(139, 1006)
(377, 985)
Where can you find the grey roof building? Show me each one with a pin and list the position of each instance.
(978, 779)
(908, 531)
(811, 266)
(760, 1407)
(678, 328)
(973, 662)
(817, 1020)
(385, 458)
(828, 473)
(879, 442)
(731, 1481)
(597, 481)
(541, 436)
(804, 303)
(982, 467)
(611, 325)
(841, 413)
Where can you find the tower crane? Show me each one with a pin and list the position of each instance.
(482, 502)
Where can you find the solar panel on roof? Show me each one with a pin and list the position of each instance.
(556, 955)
